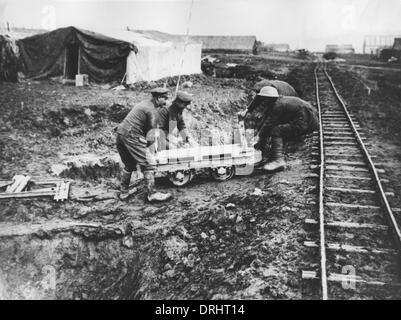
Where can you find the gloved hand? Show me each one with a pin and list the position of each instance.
(242, 114)
(191, 141)
(149, 143)
(180, 141)
(256, 143)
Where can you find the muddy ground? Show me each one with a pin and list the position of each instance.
(238, 239)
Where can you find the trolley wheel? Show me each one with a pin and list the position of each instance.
(223, 173)
(181, 177)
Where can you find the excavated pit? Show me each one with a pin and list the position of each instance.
(66, 266)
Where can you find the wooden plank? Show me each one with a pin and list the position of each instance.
(346, 133)
(339, 125)
(352, 169)
(349, 225)
(338, 115)
(246, 158)
(20, 182)
(338, 128)
(347, 155)
(350, 248)
(66, 190)
(8, 229)
(342, 132)
(357, 206)
(345, 168)
(334, 277)
(23, 183)
(351, 206)
(391, 194)
(341, 155)
(26, 194)
(334, 118)
(350, 190)
(5, 183)
(335, 122)
(46, 181)
(62, 191)
(342, 144)
(347, 278)
(14, 185)
(342, 138)
(353, 178)
(350, 163)
(342, 149)
(339, 138)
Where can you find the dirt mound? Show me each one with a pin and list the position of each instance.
(298, 79)
(232, 67)
(91, 117)
(87, 167)
(170, 82)
(330, 55)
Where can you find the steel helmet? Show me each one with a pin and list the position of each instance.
(269, 92)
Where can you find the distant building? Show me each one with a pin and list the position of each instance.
(162, 36)
(378, 51)
(374, 44)
(392, 52)
(278, 47)
(397, 44)
(341, 49)
(230, 44)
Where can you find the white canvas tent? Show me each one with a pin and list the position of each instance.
(159, 56)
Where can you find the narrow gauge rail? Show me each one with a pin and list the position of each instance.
(357, 227)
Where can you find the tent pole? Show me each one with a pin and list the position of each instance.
(65, 61)
(185, 46)
(79, 60)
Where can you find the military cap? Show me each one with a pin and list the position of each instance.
(184, 96)
(159, 91)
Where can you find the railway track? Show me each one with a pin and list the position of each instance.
(359, 241)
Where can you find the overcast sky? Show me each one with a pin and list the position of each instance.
(301, 23)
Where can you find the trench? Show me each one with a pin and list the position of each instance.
(68, 267)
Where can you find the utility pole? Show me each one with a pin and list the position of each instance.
(8, 26)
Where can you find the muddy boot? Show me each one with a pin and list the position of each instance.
(277, 160)
(152, 195)
(261, 163)
(124, 184)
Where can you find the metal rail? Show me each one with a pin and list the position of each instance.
(372, 168)
(323, 268)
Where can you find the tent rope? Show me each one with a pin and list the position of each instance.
(185, 47)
